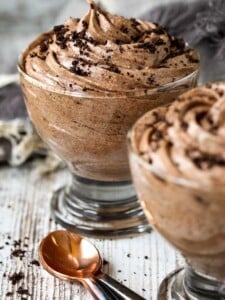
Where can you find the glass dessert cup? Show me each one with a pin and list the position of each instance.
(190, 216)
(89, 133)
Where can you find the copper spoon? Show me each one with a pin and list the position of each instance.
(68, 256)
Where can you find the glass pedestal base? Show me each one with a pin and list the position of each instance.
(186, 284)
(172, 288)
(97, 208)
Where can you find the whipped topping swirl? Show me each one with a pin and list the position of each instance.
(187, 138)
(106, 53)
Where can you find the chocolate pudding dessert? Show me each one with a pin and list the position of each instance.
(178, 165)
(87, 81)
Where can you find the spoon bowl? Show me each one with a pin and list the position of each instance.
(67, 255)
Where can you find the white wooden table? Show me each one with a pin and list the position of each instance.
(139, 262)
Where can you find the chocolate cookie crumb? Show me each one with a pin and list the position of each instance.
(43, 47)
(158, 30)
(58, 28)
(134, 23)
(114, 69)
(77, 70)
(209, 85)
(35, 263)
(148, 46)
(118, 42)
(178, 43)
(204, 161)
(17, 243)
(33, 54)
(85, 24)
(105, 262)
(160, 42)
(16, 277)
(151, 79)
(201, 200)
(22, 291)
(121, 49)
(124, 29)
(157, 135)
(192, 59)
(184, 125)
(135, 39)
(18, 253)
(220, 93)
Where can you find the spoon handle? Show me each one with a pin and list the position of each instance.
(98, 290)
(117, 288)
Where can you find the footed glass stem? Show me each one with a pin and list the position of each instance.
(98, 208)
(187, 284)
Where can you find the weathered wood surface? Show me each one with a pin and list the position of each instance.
(139, 262)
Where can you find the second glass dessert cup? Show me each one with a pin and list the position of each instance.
(191, 216)
(89, 133)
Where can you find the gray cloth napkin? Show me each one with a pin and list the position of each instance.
(18, 139)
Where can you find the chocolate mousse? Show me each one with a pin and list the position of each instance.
(103, 53)
(85, 83)
(178, 167)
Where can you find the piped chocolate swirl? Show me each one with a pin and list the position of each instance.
(187, 138)
(102, 53)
